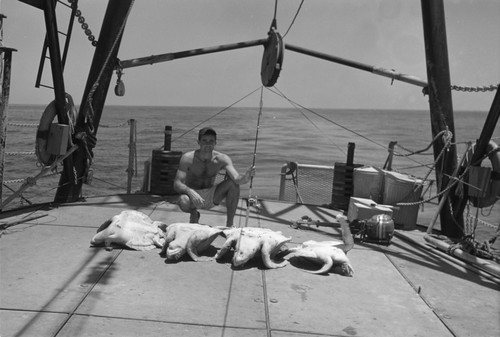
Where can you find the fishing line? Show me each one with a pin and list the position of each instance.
(254, 156)
(251, 177)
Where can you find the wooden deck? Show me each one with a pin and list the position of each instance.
(54, 284)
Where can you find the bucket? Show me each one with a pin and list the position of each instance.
(368, 183)
(164, 165)
(401, 188)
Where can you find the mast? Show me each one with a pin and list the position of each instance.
(441, 108)
(101, 71)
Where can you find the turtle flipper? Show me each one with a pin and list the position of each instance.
(328, 264)
(230, 242)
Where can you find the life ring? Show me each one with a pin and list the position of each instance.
(272, 59)
(42, 134)
(493, 191)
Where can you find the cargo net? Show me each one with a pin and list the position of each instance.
(306, 184)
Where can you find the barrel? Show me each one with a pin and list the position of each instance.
(164, 165)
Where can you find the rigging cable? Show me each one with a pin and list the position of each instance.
(215, 115)
(297, 107)
(295, 17)
(335, 123)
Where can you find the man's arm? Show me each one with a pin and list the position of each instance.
(233, 173)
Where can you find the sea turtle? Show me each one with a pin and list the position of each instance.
(132, 229)
(251, 241)
(328, 253)
(191, 238)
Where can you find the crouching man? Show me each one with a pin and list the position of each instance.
(195, 179)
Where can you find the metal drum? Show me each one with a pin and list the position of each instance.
(380, 229)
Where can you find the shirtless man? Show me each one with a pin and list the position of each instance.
(196, 177)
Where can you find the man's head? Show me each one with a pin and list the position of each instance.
(207, 131)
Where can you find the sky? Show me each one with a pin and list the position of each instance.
(381, 33)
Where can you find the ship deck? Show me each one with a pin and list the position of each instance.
(53, 283)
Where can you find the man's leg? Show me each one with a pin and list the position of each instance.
(230, 191)
(186, 206)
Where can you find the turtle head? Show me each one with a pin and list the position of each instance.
(246, 248)
(175, 252)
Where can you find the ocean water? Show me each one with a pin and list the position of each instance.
(318, 137)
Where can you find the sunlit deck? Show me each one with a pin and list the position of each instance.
(54, 284)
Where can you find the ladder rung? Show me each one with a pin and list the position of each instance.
(64, 3)
(45, 86)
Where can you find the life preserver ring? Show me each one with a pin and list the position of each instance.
(272, 59)
(493, 190)
(42, 134)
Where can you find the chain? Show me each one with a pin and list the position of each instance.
(84, 25)
(474, 89)
(23, 125)
(20, 153)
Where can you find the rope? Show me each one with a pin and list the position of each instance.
(443, 133)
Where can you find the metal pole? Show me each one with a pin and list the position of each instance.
(101, 70)
(361, 66)
(481, 145)
(440, 103)
(55, 60)
(148, 60)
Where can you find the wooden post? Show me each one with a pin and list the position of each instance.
(5, 70)
(168, 138)
(101, 71)
(131, 170)
(350, 154)
(440, 103)
(388, 162)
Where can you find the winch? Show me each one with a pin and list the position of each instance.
(378, 229)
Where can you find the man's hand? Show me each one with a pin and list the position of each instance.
(249, 173)
(196, 199)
